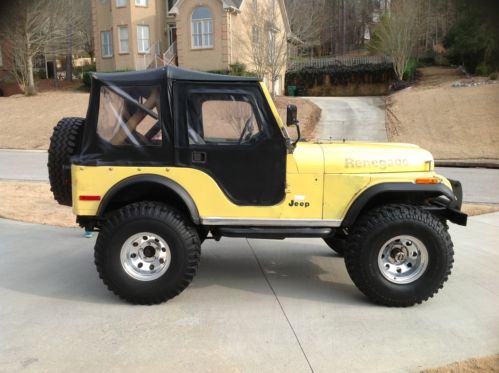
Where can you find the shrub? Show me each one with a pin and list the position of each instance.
(87, 79)
(483, 69)
(410, 69)
(493, 76)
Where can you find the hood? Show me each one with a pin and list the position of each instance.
(361, 157)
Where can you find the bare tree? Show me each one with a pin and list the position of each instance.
(267, 44)
(28, 25)
(396, 35)
(74, 32)
(307, 19)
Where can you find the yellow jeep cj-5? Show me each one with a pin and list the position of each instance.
(168, 158)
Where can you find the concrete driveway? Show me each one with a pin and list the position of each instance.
(351, 118)
(255, 306)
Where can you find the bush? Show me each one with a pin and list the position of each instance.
(87, 79)
(483, 69)
(89, 67)
(493, 76)
(410, 69)
(236, 69)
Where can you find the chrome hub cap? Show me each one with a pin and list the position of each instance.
(403, 259)
(145, 256)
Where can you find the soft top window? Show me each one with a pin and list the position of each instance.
(222, 118)
(130, 116)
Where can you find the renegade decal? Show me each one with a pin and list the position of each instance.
(381, 163)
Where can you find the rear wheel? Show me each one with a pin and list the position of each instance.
(147, 253)
(399, 255)
(64, 143)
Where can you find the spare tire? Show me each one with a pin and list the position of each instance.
(64, 143)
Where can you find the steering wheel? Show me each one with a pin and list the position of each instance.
(247, 130)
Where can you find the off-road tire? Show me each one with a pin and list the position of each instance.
(370, 233)
(160, 219)
(64, 143)
(336, 244)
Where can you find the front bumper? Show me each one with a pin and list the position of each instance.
(450, 209)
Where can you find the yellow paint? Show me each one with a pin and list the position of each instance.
(317, 175)
(271, 104)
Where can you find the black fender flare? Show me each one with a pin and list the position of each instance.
(430, 190)
(155, 179)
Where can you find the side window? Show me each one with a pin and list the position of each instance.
(222, 119)
(129, 116)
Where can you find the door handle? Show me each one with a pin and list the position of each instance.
(199, 157)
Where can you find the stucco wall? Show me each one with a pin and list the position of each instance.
(108, 17)
(202, 59)
(242, 25)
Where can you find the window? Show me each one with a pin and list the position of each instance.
(124, 122)
(107, 44)
(123, 35)
(255, 34)
(141, 2)
(143, 39)
(121, 3)
(202, 28)
(224, 119)
(171, 3)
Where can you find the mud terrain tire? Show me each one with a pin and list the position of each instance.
(64, 143)
(370, 258)
(123, 262)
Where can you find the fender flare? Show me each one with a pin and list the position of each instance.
(155, 179)
(430, 190)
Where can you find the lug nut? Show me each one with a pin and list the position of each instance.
(163, 249)
(151, 267)
(135, 244)
(140, 265)
(133, 255)
(161, 260)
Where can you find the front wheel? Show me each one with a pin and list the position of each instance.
(399, 255)
(147, 253)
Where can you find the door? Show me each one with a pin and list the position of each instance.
(228, 131)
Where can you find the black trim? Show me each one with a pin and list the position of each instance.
(161, 180)
(272, 232)
(457, 188)
(432, 190)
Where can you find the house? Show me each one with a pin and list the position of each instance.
(203, 35)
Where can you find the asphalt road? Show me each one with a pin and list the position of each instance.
(351, 118)
(479, 184)
(255, 306)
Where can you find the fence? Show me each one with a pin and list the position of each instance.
(320, 62)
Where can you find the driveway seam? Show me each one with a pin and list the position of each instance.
(280, 305)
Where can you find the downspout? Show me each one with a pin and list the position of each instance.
(229, 30)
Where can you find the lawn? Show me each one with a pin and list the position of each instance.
(27, 122)
(450, 122)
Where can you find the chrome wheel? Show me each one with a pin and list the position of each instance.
(145, 256)
(403, 259)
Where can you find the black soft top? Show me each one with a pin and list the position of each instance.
(169, 73)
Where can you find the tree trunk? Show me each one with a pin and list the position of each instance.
(30, 89)
(69, 55)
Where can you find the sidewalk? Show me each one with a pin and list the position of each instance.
(255, 306)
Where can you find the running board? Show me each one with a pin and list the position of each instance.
(272, 233)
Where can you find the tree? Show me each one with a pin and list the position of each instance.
(29, 25)
(267, 44)
(473, 41)
(396, 34)
(307, 20)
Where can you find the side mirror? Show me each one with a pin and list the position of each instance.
(292, 120)
(292, 115)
